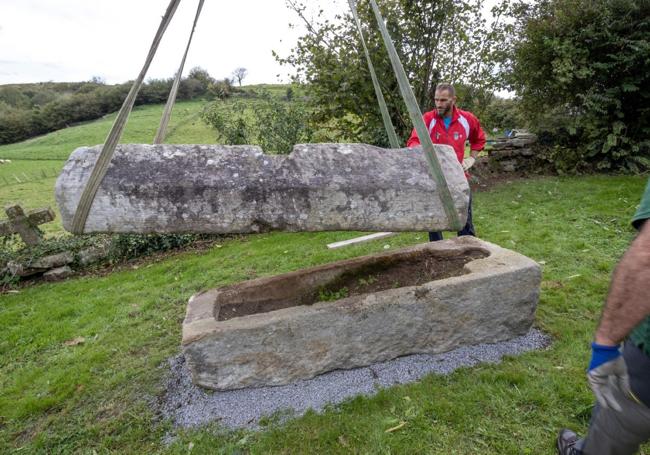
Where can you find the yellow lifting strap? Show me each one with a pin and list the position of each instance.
(167, 112)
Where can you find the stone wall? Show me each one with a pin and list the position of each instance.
(513, 154)
(53, 267)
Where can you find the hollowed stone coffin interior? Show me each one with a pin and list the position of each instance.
(239, 189)
(428, 298)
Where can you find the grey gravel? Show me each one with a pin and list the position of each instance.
(188, 405)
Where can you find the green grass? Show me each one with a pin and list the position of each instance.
(36, 189)
(93, 396)
(185, 127)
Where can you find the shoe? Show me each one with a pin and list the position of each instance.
(566, 442)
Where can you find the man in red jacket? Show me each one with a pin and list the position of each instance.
(449, 125)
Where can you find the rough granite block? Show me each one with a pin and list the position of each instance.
(429, 298)
(239, 189)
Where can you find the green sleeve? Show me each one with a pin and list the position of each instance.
(644, 209)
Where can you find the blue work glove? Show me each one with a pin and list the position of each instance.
(607, 371)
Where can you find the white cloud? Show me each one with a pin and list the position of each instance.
(71, 40)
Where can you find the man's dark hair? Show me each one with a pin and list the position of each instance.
(448, 87)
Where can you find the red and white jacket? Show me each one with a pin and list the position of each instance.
(464, 126)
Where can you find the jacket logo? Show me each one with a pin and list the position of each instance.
(437, 135)
(456, 135)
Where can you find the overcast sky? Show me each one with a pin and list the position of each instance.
(74, 40)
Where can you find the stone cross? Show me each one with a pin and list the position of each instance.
(25, 225)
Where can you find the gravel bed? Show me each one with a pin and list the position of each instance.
(188, 405)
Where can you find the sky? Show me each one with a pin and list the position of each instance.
(76, 40)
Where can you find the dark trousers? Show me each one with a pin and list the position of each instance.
(467, 230)
(621, 433)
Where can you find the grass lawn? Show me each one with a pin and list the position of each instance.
(185, 127)
(94, 396)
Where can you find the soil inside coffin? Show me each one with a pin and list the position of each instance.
(388, 272)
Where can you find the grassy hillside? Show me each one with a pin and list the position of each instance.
(185, 127)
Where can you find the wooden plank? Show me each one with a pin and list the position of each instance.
(362, 239)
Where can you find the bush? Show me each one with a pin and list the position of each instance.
(221, 89)
(119, 248)
(15, 125)
(581, 70)
(230, 121)
(129, 246)
(27, 110)
(281, 125)
(274, 125)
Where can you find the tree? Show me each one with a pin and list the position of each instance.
(437, 41)
(580, 68)
(203, 77)
(274, 125)
(221, 89)
(97, 80)
(239, 74)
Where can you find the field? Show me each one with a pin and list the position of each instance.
(94, 396)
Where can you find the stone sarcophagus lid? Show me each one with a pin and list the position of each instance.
(239, 189)
(429, 298)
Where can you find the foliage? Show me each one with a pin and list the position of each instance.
(129, 246)
(280, 125)
(119, 248)
(330, 295)
(29, 110)
(230, 120)
(502, 113)
(273, 124)
(437, 41)
(580, 68)
(221, 89)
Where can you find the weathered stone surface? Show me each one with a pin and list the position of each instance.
(60, 273)
(53, 261)
(92, 254)
(18, 269)
(509, 165)
(221, 189)
(494, 301)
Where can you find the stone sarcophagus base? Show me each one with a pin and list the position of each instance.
(428, 298)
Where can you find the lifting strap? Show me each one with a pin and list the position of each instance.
(418, 123)
(388, 124)
(104, 159)
(167, 112)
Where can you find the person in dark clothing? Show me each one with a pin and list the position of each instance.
(620, 420)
